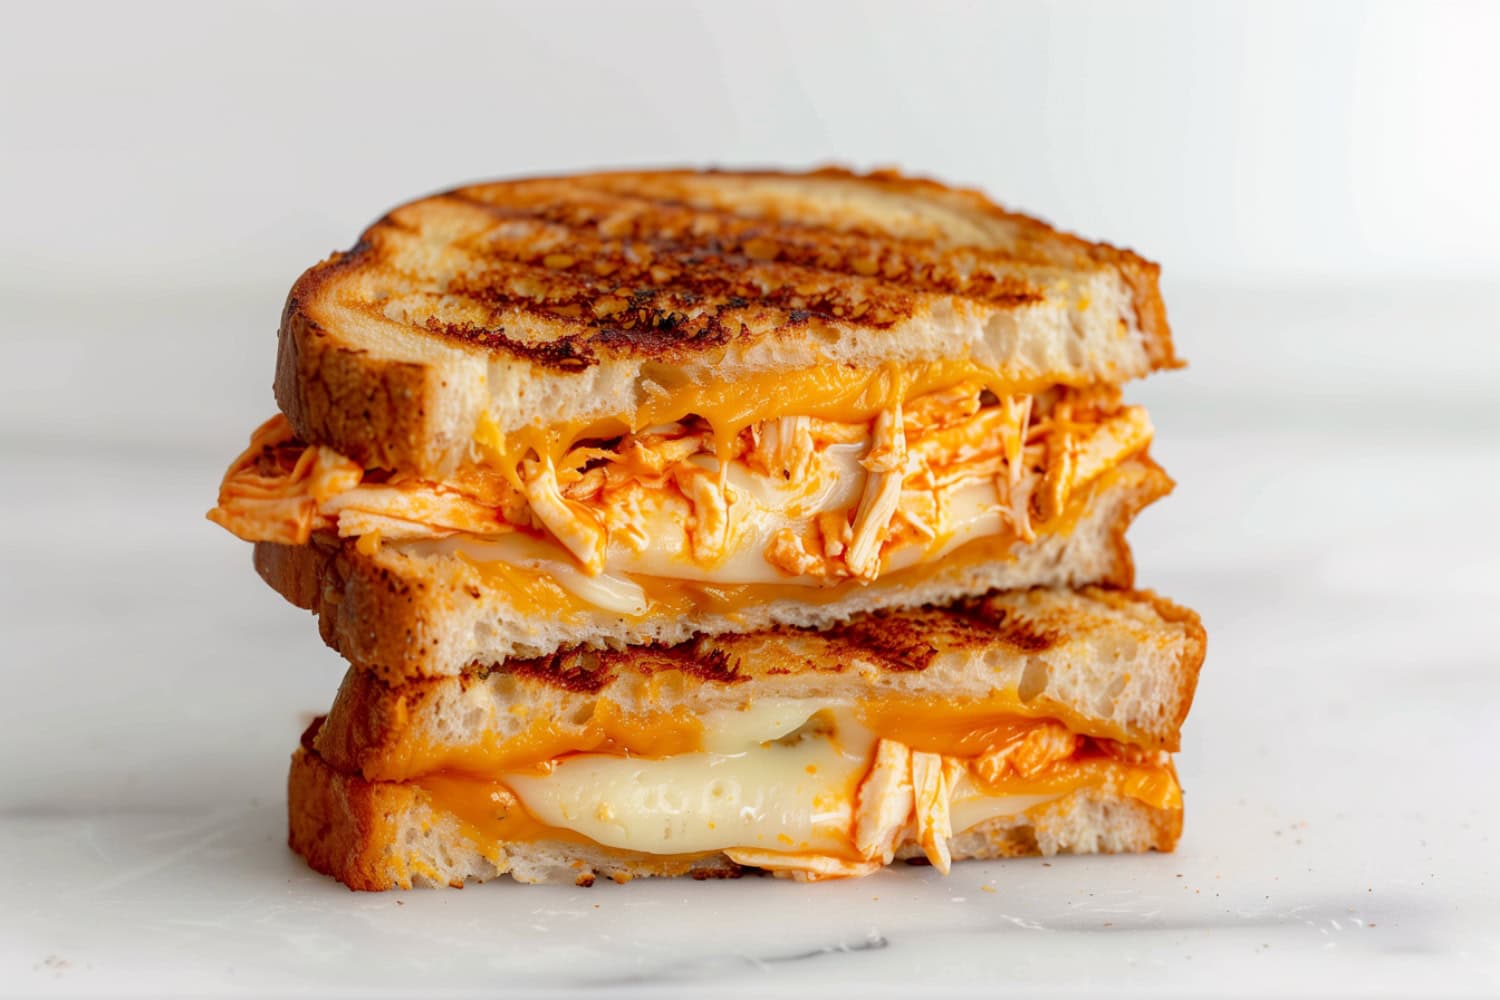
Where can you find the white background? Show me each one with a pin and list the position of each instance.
(1319, 182)
(171, 143)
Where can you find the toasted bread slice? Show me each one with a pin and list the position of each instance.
(571, 300)
(377, 835)
(1117, 665)
(403, 616)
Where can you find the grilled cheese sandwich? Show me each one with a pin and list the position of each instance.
(681, 522)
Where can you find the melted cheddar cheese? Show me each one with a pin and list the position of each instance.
(534, 741)
(831, 392)
(804, 788)
(929, 723)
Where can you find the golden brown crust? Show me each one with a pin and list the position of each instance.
(374, 406)
(366, 611)
(401, 621)
(365, 714)
(1144, 278)
(345, 828)
(564, 275)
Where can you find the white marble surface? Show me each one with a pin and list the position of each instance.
(1339, 464)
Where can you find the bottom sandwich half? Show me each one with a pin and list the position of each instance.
(1033, 722)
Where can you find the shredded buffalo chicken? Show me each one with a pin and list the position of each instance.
(1033, 449)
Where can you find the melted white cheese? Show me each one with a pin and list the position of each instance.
(971, 805)
(793, 795)
(734, 730)
(606, 590)
(753, 524)
(758, 784)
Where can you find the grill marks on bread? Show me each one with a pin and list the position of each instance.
(550, 300)
(564, 272)
(1003, 625)
(912, 640)
(893, 642)
(588, 671)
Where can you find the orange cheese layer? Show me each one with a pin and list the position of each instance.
(1154, 784)
(541, 594)
(489, 815)
(606, 730)
(839, 393)
(535, 593)
(930, 724)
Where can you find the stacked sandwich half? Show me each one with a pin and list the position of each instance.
(688, 523)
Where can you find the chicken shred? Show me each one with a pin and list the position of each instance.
(1039, 748)
(789, 552)
(883, 802)
(886, 473)
(932, 793)
(577, 527)
(708, 530)
(272, 490)
(784, 448)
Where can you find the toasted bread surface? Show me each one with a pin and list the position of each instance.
(1120, 665)
(376, 835)
(565, 299)
(402, 617)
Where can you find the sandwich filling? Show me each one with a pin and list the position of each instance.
(806, 788)
(873, 473)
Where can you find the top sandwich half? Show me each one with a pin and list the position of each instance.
(714, 379)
